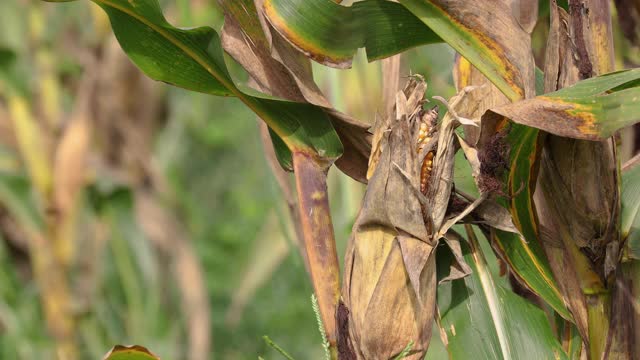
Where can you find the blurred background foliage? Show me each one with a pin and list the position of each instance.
(157, 204)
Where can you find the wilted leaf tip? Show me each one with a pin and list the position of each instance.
(133, 352)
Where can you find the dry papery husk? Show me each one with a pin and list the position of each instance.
(388, 296)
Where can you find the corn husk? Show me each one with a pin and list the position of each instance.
(388, 295)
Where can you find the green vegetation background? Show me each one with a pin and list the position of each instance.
(223, 193)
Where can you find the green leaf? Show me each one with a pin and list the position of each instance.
(277, 348)
(335, 32)
(14, 74)
(15, 195)
(526, 256)
(570, 337)
(193, 59)
(483, 320)
(164, 53)
(630, 217)
(592, 109)
(524, 253)
(532, 269)
(282, 151)
(134, 352)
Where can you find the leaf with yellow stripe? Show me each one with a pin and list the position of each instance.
(526, 259)
(492, 39)
(333, 33)
(482, 319)
(592, 109)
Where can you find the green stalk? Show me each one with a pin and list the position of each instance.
(598, 310)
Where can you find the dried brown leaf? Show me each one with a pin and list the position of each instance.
(280, 70)
(485, 97)
(390, 81)
(441, 180)
(71, 155)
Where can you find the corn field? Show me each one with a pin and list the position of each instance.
(453, 179)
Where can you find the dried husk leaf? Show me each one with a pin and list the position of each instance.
(441, 180)
(459, 268)
(389, 287)
(390, 279)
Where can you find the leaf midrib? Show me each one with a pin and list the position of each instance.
(292, 144)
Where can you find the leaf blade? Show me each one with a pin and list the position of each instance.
(485, 323)
(592, 109)
(335, 32)
(492, 40)
(145, 35)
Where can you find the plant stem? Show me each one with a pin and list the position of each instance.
(317, 228)
(598, 309)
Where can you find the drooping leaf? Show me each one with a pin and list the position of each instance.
(526, 259)
(483, 320)
(276, 67)
(159, 49)
(579, 201)
(333, 34)
(592, 109)
(135, 352)
(525, 254)
(492, 40)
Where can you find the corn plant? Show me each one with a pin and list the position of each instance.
(552, 203)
